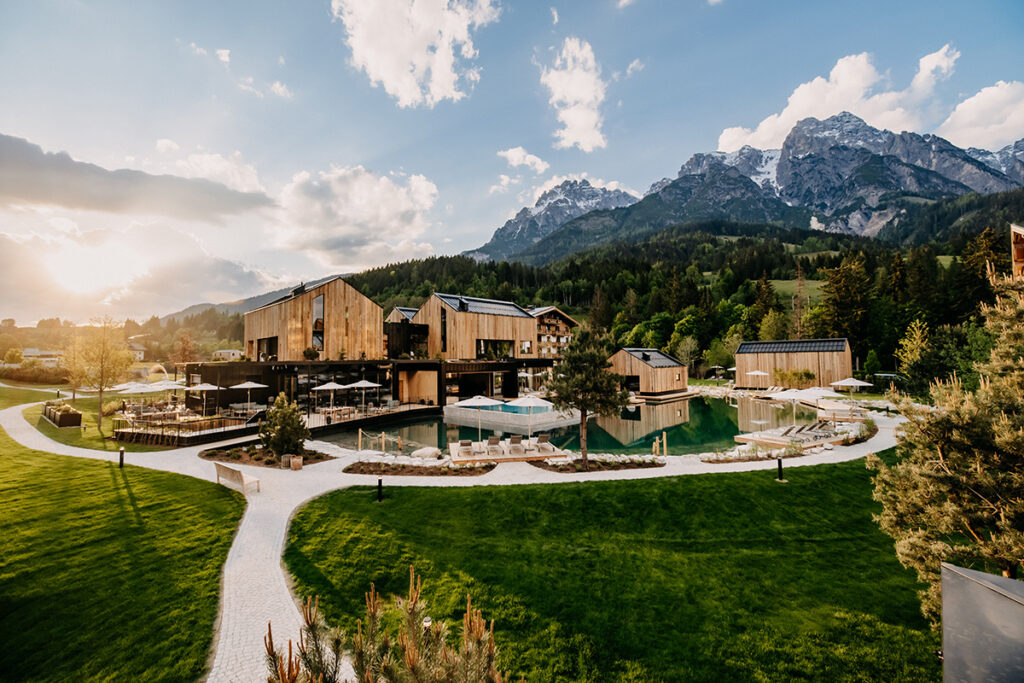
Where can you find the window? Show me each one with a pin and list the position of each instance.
(524, 346)
(267, 348)
(493, 349)
(678, 377)
(444, 330)
(318, 323)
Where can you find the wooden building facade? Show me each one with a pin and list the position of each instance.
(554, 331)
(1017, 251)
(762, 364)
(469, 328)
(650, 373)
(333, 318)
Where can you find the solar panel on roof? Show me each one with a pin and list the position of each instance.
(654, 358)
(792, 346)
(469, 304)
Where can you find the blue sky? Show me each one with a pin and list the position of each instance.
(331, 152)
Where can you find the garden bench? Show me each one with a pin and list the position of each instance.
(236, 476)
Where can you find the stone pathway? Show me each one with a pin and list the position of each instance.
(255, 589)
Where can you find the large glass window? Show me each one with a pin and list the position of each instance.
(444, 330)
(318, 323)
(493, 349)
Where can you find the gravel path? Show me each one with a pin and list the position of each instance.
(255, 589)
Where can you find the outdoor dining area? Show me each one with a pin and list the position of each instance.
(328, 408)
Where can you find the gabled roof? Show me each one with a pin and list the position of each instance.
(406, 311)
(793, 346)
(544, 310)
(472, 304)
(654, 358)
(304, 288)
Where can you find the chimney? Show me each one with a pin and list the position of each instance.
(300, 289)
(463, 304)
(646, 356)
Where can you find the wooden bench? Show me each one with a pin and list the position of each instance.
(236, 476)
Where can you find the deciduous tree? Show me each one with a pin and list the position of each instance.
(104, 357)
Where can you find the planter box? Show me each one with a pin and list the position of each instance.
(63, 419)
(296, 462)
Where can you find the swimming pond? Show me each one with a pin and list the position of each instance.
(694, 425)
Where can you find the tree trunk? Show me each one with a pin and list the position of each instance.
(99, 413)
(583, 440)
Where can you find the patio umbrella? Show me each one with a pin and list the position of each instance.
(249, 386)
(364, 385)
(851, 382)
(204, 387)
(477, 402)
(331, 387)
(530, 402)
(757, 373)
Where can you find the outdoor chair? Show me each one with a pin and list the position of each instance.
(515, 445)
(465, 448)
(494, 446)
(788, 430)
(544, 444)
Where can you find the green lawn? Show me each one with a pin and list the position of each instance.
(86, 436)
(107, 574)
(15, 396)
(709, 578)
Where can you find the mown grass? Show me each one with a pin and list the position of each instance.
(105, 573)
(88, 435)
(16, 396)
(709, 578)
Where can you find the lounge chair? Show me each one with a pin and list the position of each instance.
(788, 430)
(494, 446)
(465, 449)
(544, 444)
(515, 445)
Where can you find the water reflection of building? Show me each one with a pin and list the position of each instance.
(640, 421)
(755, 415)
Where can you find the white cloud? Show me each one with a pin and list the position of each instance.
(991, 118)
(504, 183)
(624, 3)
(533, 194)
(350, 215)
(280, 60)
(201, 51)
(281, 90)
(518, 156)
(224, 56)
(164, 145)
(576, 93)
(416, 49)
(714, 2)
(30, 177)
(554, 17)
(635, 66)
(849, 87)
(230, 171)
(247, 84)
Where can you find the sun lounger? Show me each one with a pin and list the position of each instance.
(544, 444)
(494, 446)
(515, 445)
(466, 449)
(788, 430)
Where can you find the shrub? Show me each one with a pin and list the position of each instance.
(111, 407)
(284, 430)
(39, 374)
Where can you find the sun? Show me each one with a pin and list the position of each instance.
(88, 269)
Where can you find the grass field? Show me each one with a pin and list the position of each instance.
(87, 436)
(786, 289)
(107, 574)
(709, 578)
(16, 396)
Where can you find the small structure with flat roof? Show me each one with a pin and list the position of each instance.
(762, 364)
(650, 373)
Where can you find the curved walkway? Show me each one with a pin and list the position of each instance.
(255, 589)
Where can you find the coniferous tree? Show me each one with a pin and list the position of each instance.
(582, 382)
(955, 494)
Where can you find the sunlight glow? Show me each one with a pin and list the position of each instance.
(94, 268)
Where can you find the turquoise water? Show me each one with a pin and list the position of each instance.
(695, 425)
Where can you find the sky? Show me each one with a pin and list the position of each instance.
(158, 155)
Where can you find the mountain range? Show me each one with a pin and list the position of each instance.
(838, 174)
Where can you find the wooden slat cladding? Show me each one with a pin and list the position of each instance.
(652, 380)
(827, 366)
(353, 324)
(1017, 250)
(463, 329)
(653, 419)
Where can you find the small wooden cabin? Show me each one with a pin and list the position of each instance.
(400, 314)
(759, 363)
(1017, 251)
(650, 373)
(470, 328)
(333, 317)
(554, 330)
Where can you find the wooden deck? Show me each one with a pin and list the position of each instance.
(480, 453)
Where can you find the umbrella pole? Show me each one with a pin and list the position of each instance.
(479, 430)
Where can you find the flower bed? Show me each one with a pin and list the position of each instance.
(395, 469)
(61, 414)
(260, 457)
(599, 464)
